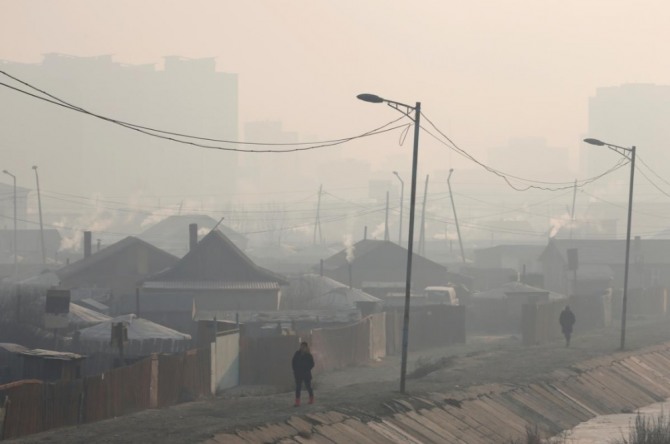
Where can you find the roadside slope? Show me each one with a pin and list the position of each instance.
(370, 391)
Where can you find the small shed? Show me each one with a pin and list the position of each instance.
(138, 329)
(49, 365)
(144, 337)
(11, 364)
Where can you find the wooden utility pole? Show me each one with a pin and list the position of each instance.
(453, 206)
(422, 232)
(317, 221)
(572, 212)
(386, 219)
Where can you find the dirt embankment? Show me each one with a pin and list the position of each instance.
(369, 390)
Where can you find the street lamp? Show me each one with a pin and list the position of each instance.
(628, 153)
(407, 110)
(39, 206)
(16, 257)
(402, 193)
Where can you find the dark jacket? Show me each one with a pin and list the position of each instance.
(567, 320)
(302, 363)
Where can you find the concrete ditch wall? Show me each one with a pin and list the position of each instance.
(493, 413)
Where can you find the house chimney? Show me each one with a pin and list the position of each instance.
(321, 268)
(365, 233)
(351, 283)
(87, 244)
(192, 236)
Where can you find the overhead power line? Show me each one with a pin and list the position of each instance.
(506, 177)
(175, 136)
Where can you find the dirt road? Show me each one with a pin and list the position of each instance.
(484, 359)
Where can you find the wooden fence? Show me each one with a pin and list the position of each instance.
(33, 406)
(267, 360)
(429, 326)
(184, 377)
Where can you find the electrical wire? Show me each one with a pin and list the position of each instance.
(652, 182)
(655, 215)
(506, 177)
(171, 136)
(638, 157)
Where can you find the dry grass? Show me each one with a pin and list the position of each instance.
(648, 430)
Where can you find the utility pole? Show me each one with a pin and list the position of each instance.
(39, 206)
(422, 233)
(458, 229)
(402, 192)
(16, 254)
(317, 222)
(572, 213)
(386, 219)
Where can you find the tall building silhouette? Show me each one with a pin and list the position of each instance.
(626, 115)
(85, 155)
(631, 114)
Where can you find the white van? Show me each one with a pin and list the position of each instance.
(441, 295)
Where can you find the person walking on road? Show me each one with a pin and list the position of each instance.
(567, 320)
(303, 363)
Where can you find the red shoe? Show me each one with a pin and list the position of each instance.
(311, 399)
(297, 402)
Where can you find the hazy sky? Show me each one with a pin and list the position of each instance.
(485, 71)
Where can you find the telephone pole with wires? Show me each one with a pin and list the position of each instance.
(386, 219)
(317, 221)
(422, 232)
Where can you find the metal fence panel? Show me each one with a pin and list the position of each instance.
(24, 408)
(184, 377)
(117, 392)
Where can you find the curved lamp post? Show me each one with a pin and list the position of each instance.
(407, 110)
(628, 153)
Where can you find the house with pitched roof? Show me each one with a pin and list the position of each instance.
(114, 270)
(598, 268)
(601, 264)
(170, 234)
(214, 275)
(379, 267)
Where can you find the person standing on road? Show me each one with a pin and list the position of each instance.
(303, 363)
(567, 320)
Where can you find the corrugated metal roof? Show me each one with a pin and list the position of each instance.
(51, 354)
(12, 348)
(209, 285)
(82, 316)
(245, 316)
(138, 329)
